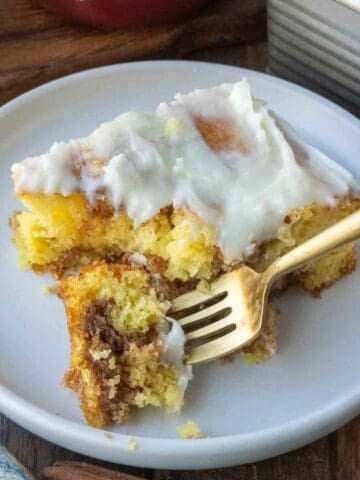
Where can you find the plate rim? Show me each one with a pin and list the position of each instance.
(153, 452)
(63, 80)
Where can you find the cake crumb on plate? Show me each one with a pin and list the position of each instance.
(190, 430)
(49, 289)
(132, 444)
(108, 435)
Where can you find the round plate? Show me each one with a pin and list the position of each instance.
(249, 412)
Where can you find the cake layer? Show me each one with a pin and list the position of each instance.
(59, 232)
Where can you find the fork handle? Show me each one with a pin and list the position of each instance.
(345, 231)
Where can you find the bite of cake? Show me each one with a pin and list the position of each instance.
(125, 353)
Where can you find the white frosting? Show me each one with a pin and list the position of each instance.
(174, 343)
(137, 258)
(146, 161)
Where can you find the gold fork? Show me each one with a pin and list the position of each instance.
(231, 314)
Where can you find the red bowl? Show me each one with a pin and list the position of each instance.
(124, 13)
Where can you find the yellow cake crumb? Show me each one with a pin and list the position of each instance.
(174, 127)
(132, 444)
(49, 289)
(190, 430)
(100, 354)
(204, 287)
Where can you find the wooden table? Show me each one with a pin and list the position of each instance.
(36, 46)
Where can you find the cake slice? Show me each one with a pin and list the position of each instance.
(210, 180)
(125, 353)
(167, 201)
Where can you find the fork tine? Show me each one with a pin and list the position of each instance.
(205, 313)
(188, 300)
(214, 327)
(217, 348)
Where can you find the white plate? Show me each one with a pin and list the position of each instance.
(311, 387)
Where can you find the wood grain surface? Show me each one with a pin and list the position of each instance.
(36, 46)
